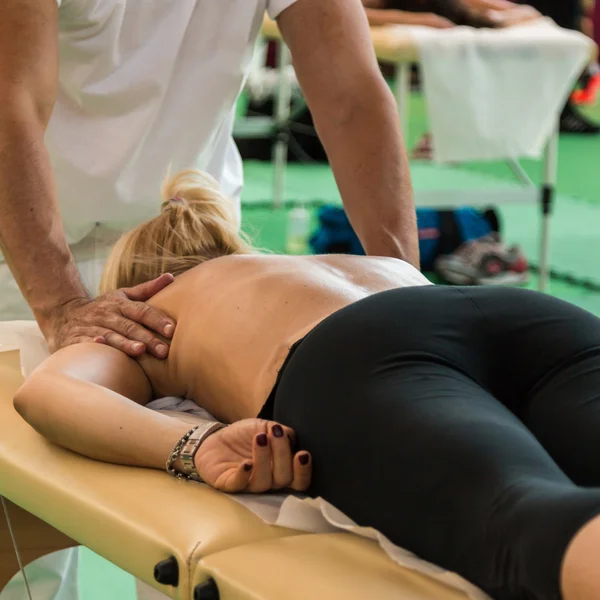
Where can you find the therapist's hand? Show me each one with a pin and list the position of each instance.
(255, 456)
(120, 319)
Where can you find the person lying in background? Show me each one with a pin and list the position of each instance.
(380, 12)
(445, 14)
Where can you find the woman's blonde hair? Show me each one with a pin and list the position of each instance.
(196, 223)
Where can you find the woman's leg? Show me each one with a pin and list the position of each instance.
(404, 440)
(564, 415)
(546, 368)
(562, 407)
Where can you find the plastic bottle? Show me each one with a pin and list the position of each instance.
(298, 230)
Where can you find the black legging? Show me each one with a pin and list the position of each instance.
(463, 423)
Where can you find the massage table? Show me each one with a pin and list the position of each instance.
(398, 49)
(198, 542)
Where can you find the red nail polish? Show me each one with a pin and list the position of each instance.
(277, 431)
(304, 459)
(247, 467)
(262, 440)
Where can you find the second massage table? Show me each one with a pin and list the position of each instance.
(206, 545)
(398, 48)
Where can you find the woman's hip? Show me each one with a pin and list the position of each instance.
(505, 340)
(383, 330)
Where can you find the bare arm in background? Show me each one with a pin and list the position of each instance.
(357, 120)
(475, 13)
(502, 13)
(32, 237)
(378, 17)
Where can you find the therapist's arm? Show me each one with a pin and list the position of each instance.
(32, 238)
(89, 399)
(357, 120)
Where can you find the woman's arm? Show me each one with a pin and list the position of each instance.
(378, 17)
(81, 399)
(89, 399)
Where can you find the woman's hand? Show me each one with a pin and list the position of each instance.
(255, 456)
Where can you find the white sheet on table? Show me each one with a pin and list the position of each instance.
(312, 515)
(496, 94)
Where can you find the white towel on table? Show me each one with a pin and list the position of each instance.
(294, 511)
(497, 93)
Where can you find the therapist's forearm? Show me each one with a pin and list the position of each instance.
(32, 238)
(368, 157)
(96, 422)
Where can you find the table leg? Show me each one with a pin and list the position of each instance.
(34, 539)
(402, 94)
(548, 193)
(282, 115)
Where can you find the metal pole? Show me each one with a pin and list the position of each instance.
(16, 547)
(548, 193)
(402, 95)
(282, 115)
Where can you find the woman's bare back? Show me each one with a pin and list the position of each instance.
(238, 316)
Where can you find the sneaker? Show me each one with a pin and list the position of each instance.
(485, 261)
(588, 96)
(571, 121)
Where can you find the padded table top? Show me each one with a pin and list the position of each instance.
(336, 566)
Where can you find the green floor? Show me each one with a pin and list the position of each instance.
(576, 246)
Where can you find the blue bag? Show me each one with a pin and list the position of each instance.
(440, 231)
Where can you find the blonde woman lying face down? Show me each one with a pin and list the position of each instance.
(463, 423)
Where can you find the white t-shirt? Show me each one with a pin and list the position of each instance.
(146, 85)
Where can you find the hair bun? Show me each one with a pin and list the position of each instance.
(174, 201)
